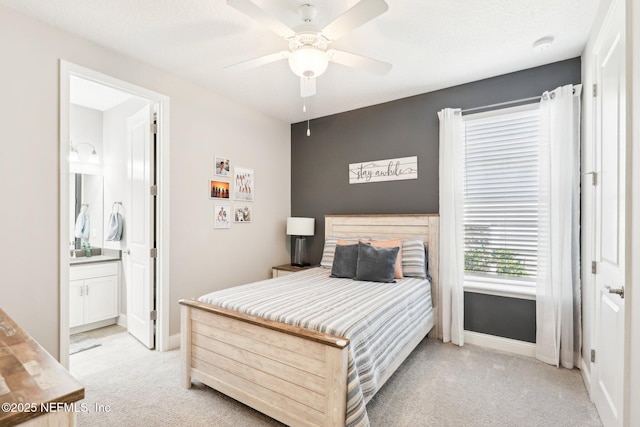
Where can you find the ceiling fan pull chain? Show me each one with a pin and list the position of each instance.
(304, 108)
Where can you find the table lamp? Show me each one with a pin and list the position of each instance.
(300, 227)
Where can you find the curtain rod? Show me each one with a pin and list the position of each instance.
(517, 101)
(500, 104)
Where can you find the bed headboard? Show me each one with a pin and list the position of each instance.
(404, 226)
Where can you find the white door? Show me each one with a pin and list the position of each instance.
(140, 266)
(608, 382)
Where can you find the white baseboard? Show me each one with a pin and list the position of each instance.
(174, 341)
(122, 320)
(586, 374)
(91, 326)
(508, 345)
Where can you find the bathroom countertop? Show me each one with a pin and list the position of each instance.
(105, 256)
(93, 259)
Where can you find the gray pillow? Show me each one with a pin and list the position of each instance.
(345, 261)
(376, 264)
(330, 249)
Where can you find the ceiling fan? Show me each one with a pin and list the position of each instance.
(309, 53)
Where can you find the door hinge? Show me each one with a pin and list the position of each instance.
(595, 90)
(154, 128)
(154, 315)
(154, 190)
(594, 267)
(593, 356)
(154, 252)
(594, 177)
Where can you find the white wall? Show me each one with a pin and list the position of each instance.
(204, 259)
(203, 124)
(86, 127)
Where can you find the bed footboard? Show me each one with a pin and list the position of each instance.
(294, 375)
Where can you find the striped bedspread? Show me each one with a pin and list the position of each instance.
(378, 318)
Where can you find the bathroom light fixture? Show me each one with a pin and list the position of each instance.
(73, 154)
(74, 157)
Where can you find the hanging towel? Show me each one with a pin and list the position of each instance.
(82, 226)
(114, 227)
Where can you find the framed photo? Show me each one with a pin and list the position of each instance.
(222, 215)
(242, 213)
(222, 166)
(243, 184)
(218, 189)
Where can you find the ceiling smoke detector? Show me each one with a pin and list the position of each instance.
(543, 44)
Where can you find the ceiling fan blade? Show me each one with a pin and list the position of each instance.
(256, 62)
(257, 14)
(359, 14)
(358, 61)
(307, 86)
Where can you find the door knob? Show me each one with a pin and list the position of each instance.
(126, 251)
(617, 291)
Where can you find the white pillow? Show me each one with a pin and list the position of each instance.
(330, 249)
(414, 259)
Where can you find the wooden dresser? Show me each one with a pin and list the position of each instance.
(35, 390)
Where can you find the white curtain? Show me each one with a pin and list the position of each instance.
(451, 225)
(558, 335)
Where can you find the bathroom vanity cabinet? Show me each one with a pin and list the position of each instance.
(93, 295)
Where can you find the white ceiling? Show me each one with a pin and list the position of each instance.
(432, 44)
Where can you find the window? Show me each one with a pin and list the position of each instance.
(501, 195)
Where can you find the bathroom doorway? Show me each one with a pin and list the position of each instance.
(113, 246)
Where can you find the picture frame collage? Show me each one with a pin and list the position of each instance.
(239, 186)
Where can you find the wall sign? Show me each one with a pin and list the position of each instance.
(384, 170)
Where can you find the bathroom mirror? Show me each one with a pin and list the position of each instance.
(86, 190)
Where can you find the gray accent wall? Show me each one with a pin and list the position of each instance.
(501, 316)
(401, 128)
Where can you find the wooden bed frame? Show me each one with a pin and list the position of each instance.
(292, 374)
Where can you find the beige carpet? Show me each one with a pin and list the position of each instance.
(438, 385)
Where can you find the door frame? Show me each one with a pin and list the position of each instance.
(68, 69)
(632, 313)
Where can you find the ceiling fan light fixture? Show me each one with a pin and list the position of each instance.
(308, 61)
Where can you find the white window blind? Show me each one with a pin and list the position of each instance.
(501, 194)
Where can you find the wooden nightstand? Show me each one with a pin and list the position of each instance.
(283, 270)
